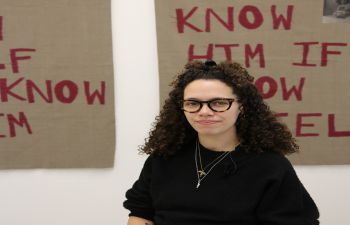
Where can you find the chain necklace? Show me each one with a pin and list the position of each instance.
(201, 174)
(202, 170)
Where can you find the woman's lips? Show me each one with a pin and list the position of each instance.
(206, 122)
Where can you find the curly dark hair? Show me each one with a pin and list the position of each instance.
(258, 128)
(339, 2)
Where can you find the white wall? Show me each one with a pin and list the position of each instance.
(94, 197)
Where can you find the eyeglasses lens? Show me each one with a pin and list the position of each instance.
(217, 105)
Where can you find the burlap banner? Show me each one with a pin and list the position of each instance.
(56, 84)
(298, 51)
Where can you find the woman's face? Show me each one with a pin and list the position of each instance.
(206, 121)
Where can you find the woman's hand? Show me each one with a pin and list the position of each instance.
(133, 220)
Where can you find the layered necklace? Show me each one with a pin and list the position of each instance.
(203, 172)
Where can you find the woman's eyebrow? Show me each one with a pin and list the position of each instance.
(214, 98)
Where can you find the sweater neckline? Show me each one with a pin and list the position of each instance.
(214, 152)
(238, 155)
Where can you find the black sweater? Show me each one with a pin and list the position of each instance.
(243, 189)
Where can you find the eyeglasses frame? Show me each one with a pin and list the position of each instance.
(201, 103)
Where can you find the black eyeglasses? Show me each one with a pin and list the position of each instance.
(216, 105)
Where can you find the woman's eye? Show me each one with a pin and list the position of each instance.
(219, 102)
(192, 104)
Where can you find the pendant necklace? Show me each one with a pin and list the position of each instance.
(201, 172)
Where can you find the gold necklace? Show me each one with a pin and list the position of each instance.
(201, 174)
(202, 170)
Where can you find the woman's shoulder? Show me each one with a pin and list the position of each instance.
(265, 157)
(182, 150)
(273, 162)
(274, 158)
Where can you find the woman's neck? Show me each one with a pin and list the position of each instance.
(221, 143)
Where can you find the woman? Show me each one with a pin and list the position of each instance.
(217, 157)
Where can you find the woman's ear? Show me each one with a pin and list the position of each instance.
(241, 110)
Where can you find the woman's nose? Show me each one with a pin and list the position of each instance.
(205, 109)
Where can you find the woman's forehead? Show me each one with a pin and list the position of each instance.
(208, 88)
